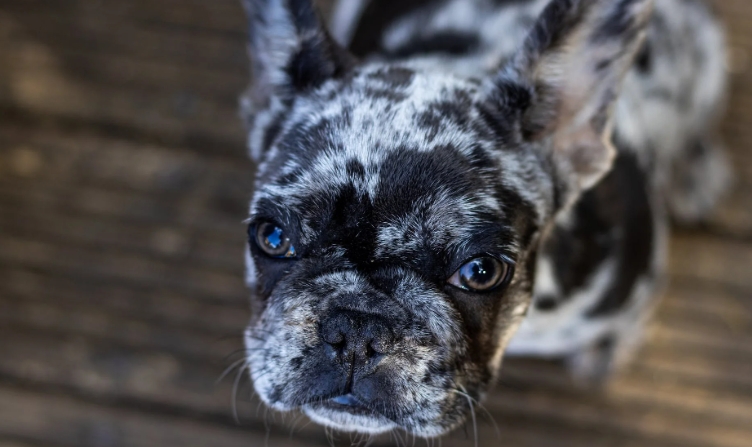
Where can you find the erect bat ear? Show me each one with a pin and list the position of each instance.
(291, 52)
(290, 49)
(572, 64)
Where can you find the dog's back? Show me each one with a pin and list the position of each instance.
(601, 265)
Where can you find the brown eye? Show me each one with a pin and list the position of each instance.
(480, 274)
(271, 240)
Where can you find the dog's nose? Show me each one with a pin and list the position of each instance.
(358, 337)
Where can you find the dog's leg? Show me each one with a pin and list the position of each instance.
(594, 365)
(700, 176)
(612, 352)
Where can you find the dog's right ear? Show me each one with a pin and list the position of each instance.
(565, 80)
(291, 52)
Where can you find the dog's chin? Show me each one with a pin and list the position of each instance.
(348, 418)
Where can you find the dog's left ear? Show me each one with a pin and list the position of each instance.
(291, 52)
(564, 81)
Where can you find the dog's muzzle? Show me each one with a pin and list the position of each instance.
(355, 343)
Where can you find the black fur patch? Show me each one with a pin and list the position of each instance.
(394, 76)
(447, 42)
(319, 59)
(635, 246)
(378, 15)
(611, 221)
(644, 59)
(620, 23)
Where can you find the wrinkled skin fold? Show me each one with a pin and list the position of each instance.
(388, 174)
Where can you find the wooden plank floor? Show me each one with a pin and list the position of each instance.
(123, 183)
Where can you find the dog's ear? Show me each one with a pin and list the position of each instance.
(290, 49)
(291, 52)
(564, 81)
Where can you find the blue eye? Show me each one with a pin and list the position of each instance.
(272, 240)
(481, 274)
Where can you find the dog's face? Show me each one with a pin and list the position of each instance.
(391, 257)
(394, 226)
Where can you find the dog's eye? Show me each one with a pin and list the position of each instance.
(271, 240)
(481, 274)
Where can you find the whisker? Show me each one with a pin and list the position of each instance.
(226, 337)
(244, 351)
(472, 413)
(228, 370)
(238, 377)
(481, 407)
(258, 408)
(267, 427)
(306, 424)
(330, 436)
(235, 352)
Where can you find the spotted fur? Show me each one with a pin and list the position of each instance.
(453, 129)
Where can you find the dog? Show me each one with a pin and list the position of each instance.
(441, 182)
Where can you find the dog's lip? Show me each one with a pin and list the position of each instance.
(347, 412)
(349, 403)
(347, 400)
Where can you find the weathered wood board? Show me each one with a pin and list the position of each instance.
(123, 185)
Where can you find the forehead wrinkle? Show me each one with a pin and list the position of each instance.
(378, 125)
(329, 172)
(380, 122)
(347, 281)
(442, 221)
(375, 128)
(384, 122)
(328, 166)
(470, 217)
(424, 300)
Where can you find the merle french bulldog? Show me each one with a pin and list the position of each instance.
(441, 182)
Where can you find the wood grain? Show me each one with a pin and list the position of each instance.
(123, 186)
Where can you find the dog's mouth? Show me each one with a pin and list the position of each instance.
(349, 403)
(348, 413)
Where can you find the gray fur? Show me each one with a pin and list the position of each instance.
(388, 173)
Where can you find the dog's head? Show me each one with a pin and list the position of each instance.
(396, 215)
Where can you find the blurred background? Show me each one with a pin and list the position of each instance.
(123, 184)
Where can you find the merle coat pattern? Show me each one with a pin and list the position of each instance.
(549, 138)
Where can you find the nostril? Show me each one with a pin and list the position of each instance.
(335, 345)
(334, 340)
(377, 348)
(338, 338)
(354, 336)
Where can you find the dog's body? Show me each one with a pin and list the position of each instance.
(476, 134)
